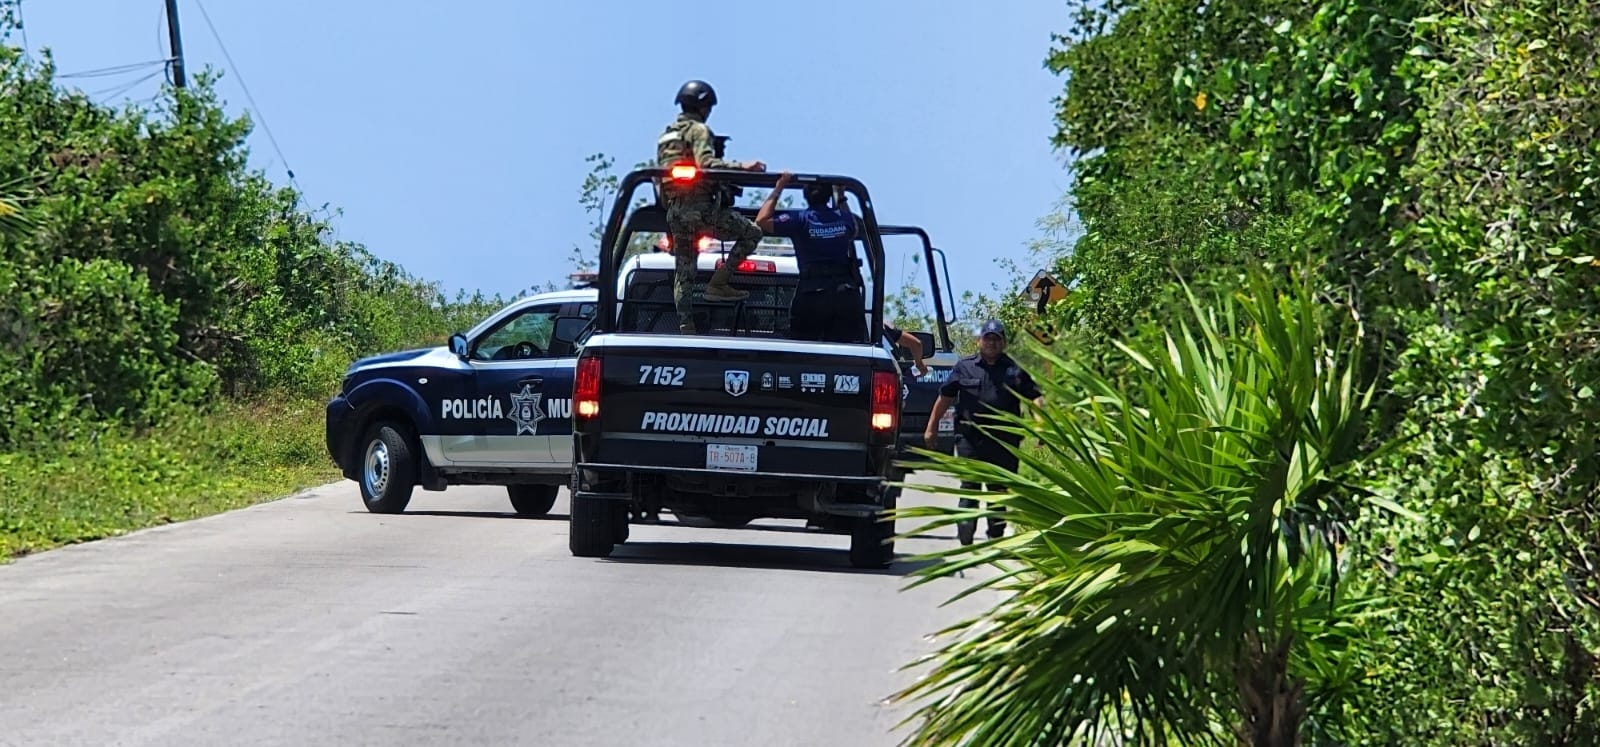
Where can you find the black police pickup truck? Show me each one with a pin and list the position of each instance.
(738, 422)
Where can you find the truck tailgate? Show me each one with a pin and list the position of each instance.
(736, 410)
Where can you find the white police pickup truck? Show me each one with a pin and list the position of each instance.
(495, 406)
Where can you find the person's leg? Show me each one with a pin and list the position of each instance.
(995, 453)
(682, 221)
(804, 312)
(997, 522)
(966, 528)
(846, 319)
(730, 225)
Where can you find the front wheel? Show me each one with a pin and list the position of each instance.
(388, 469)
(533, 500)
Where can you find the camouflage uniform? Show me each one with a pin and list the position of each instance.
(700, 207)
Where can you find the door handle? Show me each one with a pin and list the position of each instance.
(533, 381)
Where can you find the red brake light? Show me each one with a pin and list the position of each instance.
(705, 243)
(684, 172)
(885, 400)
(752, 265)
(586, 389)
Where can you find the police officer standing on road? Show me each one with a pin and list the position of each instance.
(987, 381)
(827, 305)
(700, 206)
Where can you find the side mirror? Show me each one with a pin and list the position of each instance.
(926, 338)
(458, 345)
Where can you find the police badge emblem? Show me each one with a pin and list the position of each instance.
(525, 410)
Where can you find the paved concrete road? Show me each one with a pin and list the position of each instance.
(308, 621)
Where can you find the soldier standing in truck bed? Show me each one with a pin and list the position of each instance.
(699, 205)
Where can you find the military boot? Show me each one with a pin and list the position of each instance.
(719, 289)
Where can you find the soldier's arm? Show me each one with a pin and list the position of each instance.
(705, 154)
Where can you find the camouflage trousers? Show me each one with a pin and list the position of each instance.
(687, 219)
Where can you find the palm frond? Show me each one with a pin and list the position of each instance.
(15, 219)
(1161, 521)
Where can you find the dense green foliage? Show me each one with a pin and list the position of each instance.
(158, 272)
(171, 321)
(1439, 161)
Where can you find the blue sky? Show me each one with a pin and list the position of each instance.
(454, 142)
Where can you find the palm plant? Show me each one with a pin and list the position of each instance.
(1173, 572)
(14, 219)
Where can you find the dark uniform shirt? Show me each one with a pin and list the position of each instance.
(979, 388)
(824, 244)
(827, 303)
(823, 236)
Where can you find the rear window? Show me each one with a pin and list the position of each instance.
(647, 305)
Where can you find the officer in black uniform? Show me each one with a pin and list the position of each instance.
(987, 381)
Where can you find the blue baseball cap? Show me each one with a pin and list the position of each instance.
(993, 327)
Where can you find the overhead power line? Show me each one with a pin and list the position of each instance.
(253, 107)
(102, 72)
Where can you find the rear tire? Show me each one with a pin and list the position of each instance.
(872, 537)
(388, 468)
(533, 500)
(620, 524)
(592, 527)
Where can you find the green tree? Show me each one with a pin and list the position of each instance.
(1438, 160)
(161, 274)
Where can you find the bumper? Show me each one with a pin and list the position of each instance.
(338, 432)
(688, 456)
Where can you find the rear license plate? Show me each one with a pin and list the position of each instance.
(947, 424)
(731, 457)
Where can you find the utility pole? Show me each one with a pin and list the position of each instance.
(176, 43)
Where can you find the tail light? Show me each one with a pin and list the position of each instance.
(586, 389)
(752, 265)
(705, 244)
(885, 400)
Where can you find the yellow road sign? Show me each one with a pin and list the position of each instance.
(1044, 290)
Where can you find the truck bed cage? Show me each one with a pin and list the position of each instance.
(651, 218)
(652, 313)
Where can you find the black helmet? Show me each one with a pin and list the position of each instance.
(697, 94)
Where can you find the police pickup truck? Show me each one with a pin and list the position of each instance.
(500, 412)
(738, 422)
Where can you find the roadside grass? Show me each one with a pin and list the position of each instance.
(195, 464)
